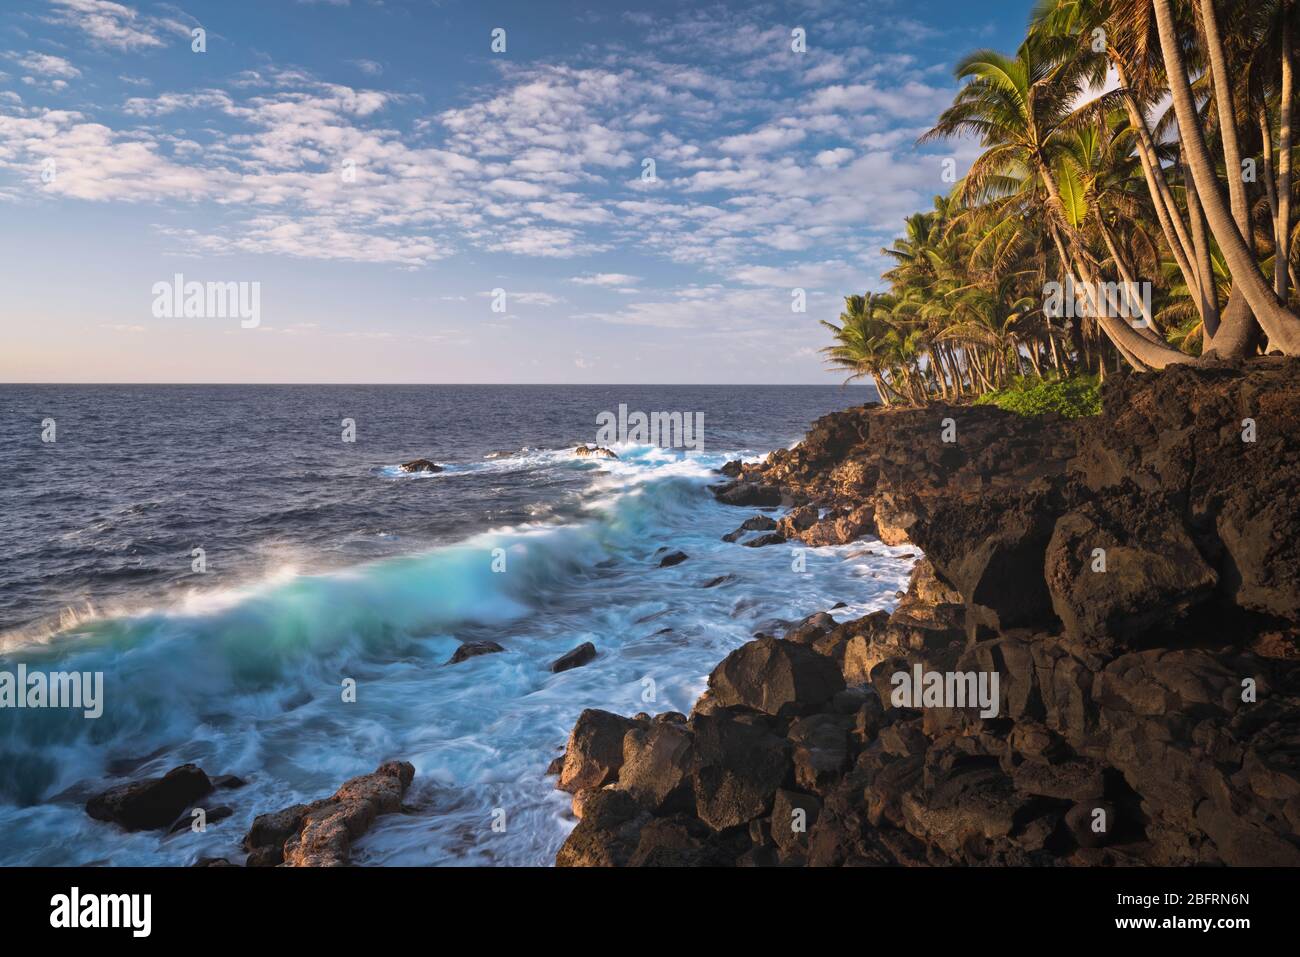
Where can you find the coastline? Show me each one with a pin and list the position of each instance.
(586, 566)
(1109, 721)
(1114, 573)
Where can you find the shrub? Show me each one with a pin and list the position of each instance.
(1072, 398)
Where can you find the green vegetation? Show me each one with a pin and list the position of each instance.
(1142, 144)
(1072, 398)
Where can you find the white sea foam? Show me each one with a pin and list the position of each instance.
(247, 680)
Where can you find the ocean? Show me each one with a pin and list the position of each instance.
(326, 567)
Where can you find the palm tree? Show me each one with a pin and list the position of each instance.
(1107, 44)
(1280, 324)
(1084, 176)
(1019, 107)
(859, 347)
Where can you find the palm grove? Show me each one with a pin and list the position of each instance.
(1177, 175)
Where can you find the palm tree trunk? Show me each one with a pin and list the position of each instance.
(1282, 252)
(950, 357)
(1162, 197)
(1221, 82)
(880, 388)
(1238, 334)
(1270, 169)
(977, 364)
(940, 373)
(1051, 341)
(1208, 291)
(1149, 330)
(961, 362)
(1279, 322)
(1142, 352)
(1033, 359)
(946, 362)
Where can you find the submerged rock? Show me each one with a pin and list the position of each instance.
(420, 465)
(576, 658)
(673, 558)
(472, 649)
(151, 804)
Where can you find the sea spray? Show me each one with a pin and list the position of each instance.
(245, 678)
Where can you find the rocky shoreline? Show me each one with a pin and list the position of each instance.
(1129, 582)
(1126, 587)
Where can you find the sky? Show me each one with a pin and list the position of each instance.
(577, 191)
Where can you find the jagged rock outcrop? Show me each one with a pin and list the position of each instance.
(321, 834)
(1130, 580)
(152, 803)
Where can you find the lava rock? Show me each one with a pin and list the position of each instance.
(472, 649)
(748, 494)
(321, 834)
(151, 804)
(420, 465)
(575, 658)
(775, 677)
(594, 753)
(736, 769)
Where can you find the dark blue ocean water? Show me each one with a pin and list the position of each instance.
(324, 564)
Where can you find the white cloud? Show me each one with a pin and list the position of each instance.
(47, 65)
(835, 157)
(605, 279)
(911, 100)
(762, 141)
(93, 162)
(109, 24)
(543, 162)
(544, 242)
(315, 237)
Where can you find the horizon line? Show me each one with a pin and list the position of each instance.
(796, 385)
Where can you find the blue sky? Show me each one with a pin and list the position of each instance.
(126, 157)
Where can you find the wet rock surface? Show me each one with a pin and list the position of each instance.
(1130, 579)
(420, 465)
(473, 649)
(575, 658)
(152, 803)
(321, 834)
